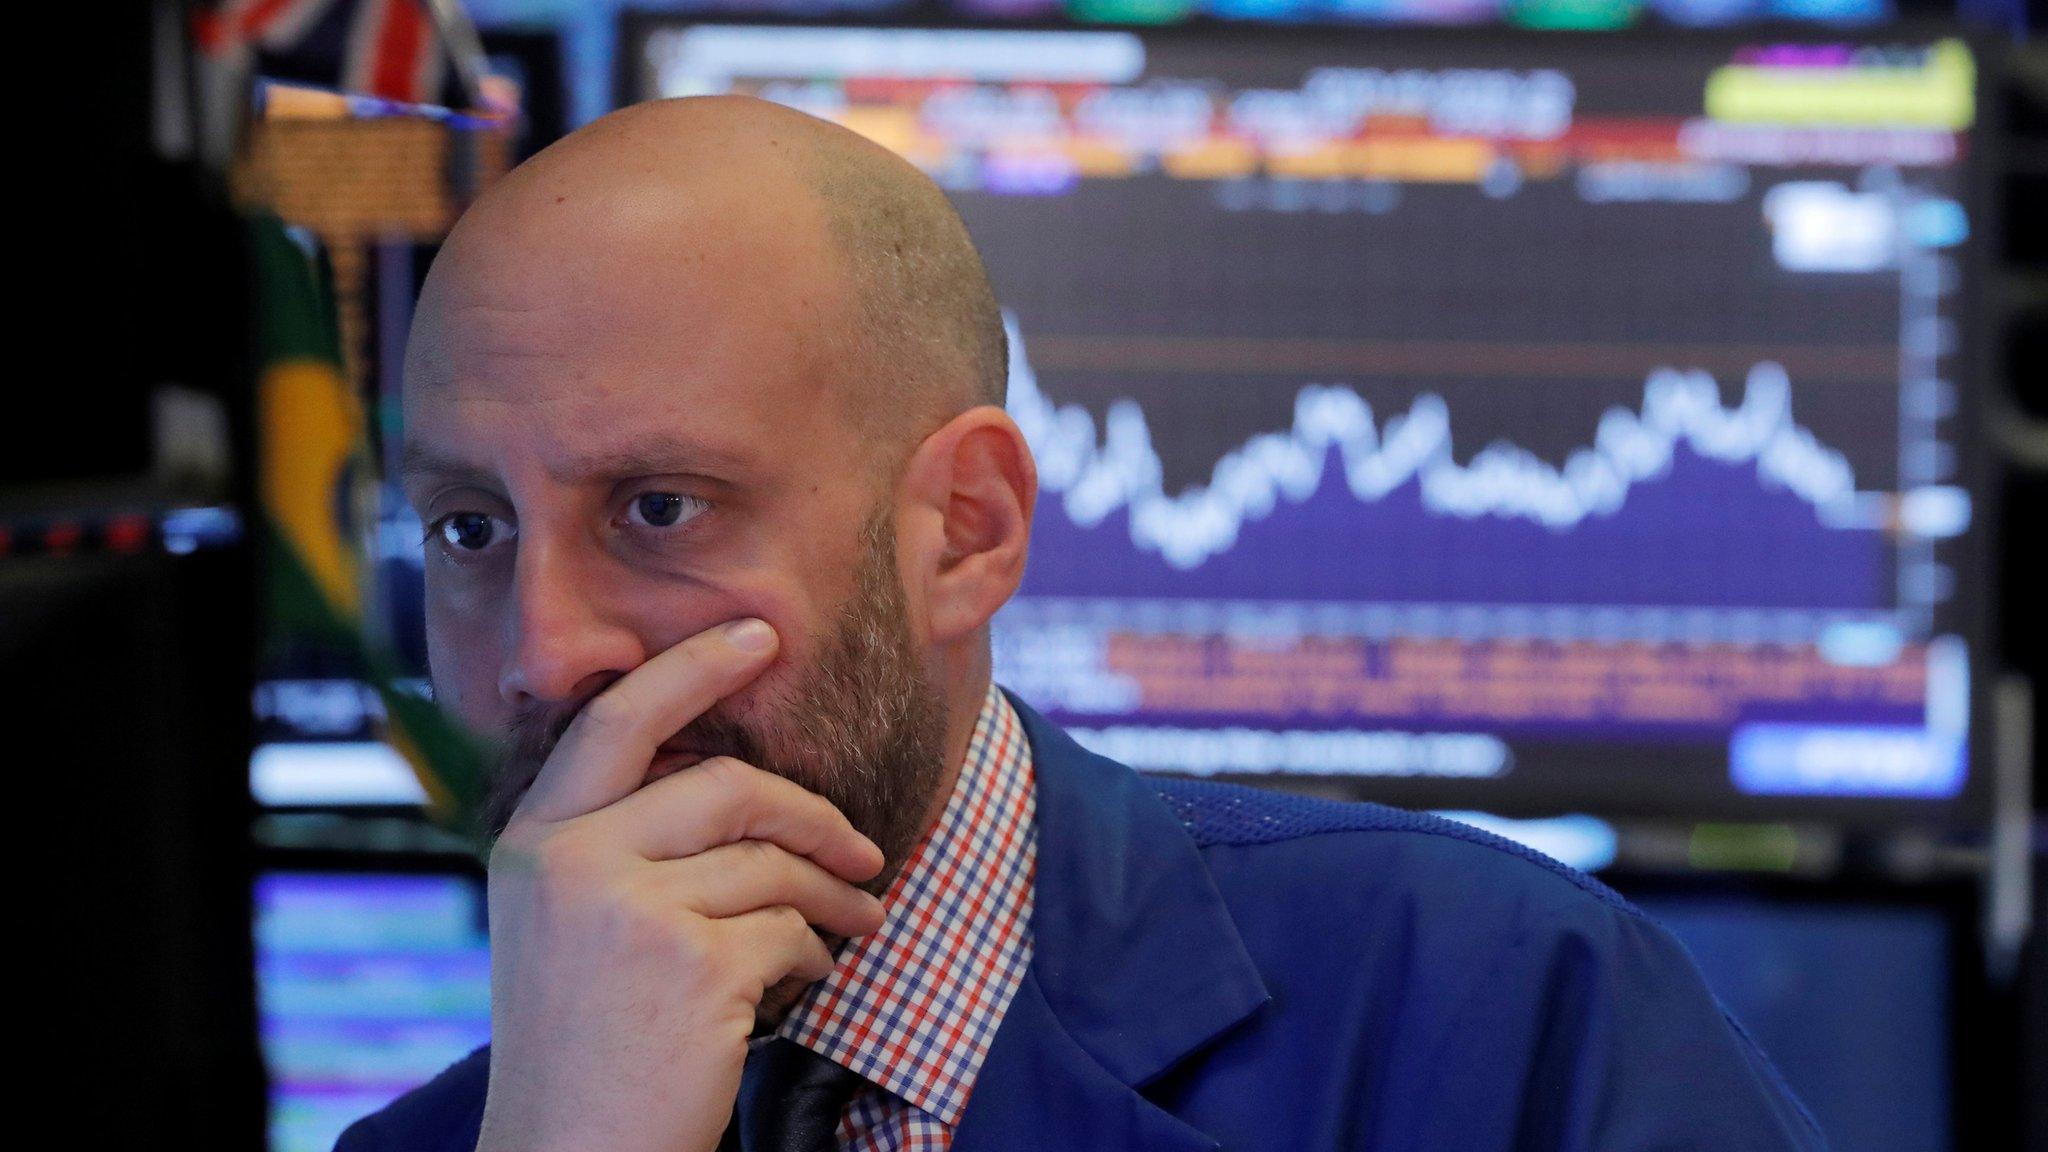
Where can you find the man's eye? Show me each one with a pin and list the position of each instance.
(663, 509)
(473, 531)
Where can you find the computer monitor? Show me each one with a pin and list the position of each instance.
(1505, 421)
(368, 984)
(1860, 1000)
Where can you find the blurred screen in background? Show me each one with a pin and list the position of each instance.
(1851, 1000)
(368, 984)
(1505, 421)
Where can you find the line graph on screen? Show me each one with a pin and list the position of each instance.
(1679, 500)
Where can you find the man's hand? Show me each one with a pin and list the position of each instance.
(635, 929)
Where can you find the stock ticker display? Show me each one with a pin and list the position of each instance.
(1543, 421)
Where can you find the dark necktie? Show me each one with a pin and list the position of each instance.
(790, 1100)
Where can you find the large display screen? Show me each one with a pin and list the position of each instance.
(1507, 421)
(1851, 1001)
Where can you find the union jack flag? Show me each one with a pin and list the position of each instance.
(386, 48)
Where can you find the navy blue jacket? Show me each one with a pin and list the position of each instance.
(1220, 967)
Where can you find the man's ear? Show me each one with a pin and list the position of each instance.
(970, 488)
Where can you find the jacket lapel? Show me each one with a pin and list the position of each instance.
(1135, 964)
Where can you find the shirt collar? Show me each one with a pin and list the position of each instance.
(914, 1007)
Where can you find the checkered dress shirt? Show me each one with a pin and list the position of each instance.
(913, 1007)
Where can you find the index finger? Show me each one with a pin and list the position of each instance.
(604, 754)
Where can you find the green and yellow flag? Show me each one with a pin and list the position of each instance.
(315, 469)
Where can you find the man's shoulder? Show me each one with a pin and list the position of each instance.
(1399, 847)
(1487, 985)
(1303, 872)
(442, 1115)
(1259, 844)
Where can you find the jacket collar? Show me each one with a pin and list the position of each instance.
(1135, 964)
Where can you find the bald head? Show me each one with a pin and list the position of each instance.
(710, 359)
(887, 300)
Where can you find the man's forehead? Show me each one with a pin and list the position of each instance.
(511, 404)
(757, 316)
(509, 310)
(571, 343)
(628, 329)
(606, 390)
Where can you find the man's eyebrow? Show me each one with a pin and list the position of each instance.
(650, 455)
(417, 459)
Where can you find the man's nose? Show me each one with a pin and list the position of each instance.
(565, 643)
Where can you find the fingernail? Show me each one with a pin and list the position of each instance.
(749, 635)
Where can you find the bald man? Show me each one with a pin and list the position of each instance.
(704, 414)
